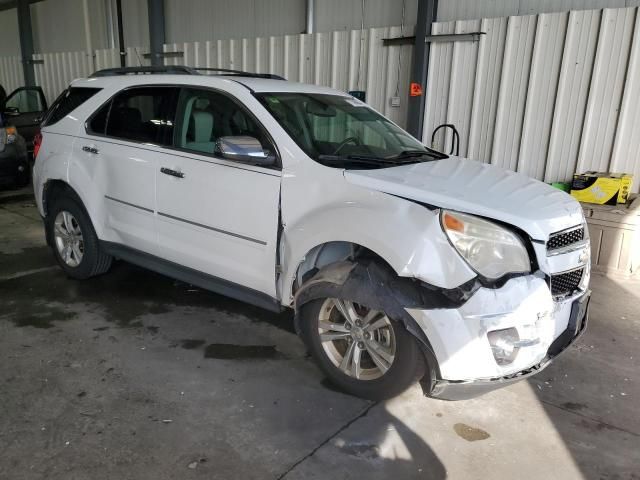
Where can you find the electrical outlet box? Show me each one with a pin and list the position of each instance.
(395, 101)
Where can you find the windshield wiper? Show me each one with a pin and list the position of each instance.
(359, 159)
(419, 153)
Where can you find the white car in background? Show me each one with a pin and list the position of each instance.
(401, 263)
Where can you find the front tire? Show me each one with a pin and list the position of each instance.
(361, 350)
(74, 241)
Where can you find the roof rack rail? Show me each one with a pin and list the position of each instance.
(239, 73)
(179, 70)
(169, 70)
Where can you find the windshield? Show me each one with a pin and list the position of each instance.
(343, 132)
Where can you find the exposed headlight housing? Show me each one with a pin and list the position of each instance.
(504, 345)
(491, 250)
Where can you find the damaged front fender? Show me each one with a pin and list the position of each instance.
(375, 285)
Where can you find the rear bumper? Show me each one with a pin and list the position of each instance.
(463, 390)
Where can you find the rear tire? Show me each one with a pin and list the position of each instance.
(74, 240)
(379, 378)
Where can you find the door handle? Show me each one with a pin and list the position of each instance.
(89, 149)
(173, 173)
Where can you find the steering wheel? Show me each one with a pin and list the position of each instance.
(344, 143)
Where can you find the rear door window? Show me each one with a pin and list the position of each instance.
(144, 114)
(67, 102)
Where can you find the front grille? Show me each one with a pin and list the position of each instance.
(564, 284)
(564, 239)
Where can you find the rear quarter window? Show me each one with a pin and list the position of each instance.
(144, 114)
(67, 102)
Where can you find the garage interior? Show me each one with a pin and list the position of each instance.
(135, 375)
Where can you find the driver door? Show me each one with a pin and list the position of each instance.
(23, 109)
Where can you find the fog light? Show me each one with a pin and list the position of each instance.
(504, 345)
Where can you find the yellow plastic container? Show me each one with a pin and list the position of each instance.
(602, 188)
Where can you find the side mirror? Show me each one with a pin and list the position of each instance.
(244, 149)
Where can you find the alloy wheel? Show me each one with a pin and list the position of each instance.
(68, 238)
(358, 340)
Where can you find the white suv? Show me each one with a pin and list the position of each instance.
(401, 263)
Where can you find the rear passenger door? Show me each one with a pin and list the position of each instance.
(126, 140)
(216, 215)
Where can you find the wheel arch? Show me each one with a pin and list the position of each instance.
(377, 284)
(327, 253)
(53, 189)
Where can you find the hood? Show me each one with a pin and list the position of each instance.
(478, 188)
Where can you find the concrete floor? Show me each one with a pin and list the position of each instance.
(135, 376)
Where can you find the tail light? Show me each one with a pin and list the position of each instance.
(37, 141)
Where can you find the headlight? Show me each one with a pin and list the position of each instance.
(490, 249)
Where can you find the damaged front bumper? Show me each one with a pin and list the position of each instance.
(467, 365)
(463, 390)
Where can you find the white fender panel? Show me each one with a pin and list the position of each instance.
(405, 234)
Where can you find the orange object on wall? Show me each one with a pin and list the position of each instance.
(415, 90)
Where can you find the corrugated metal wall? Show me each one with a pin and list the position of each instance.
(57, 70)
(450, 10)
(135, 22)
(58, 25)
(347, 14)
(9, 40)
(11, 73)
(201, 20)
(221, 19)
(345, 60)
(546, 95)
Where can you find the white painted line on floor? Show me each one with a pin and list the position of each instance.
(27, 273)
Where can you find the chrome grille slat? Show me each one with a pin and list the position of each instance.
(564, 239)
(567, 283)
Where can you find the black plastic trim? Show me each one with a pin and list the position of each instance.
(193, 277)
